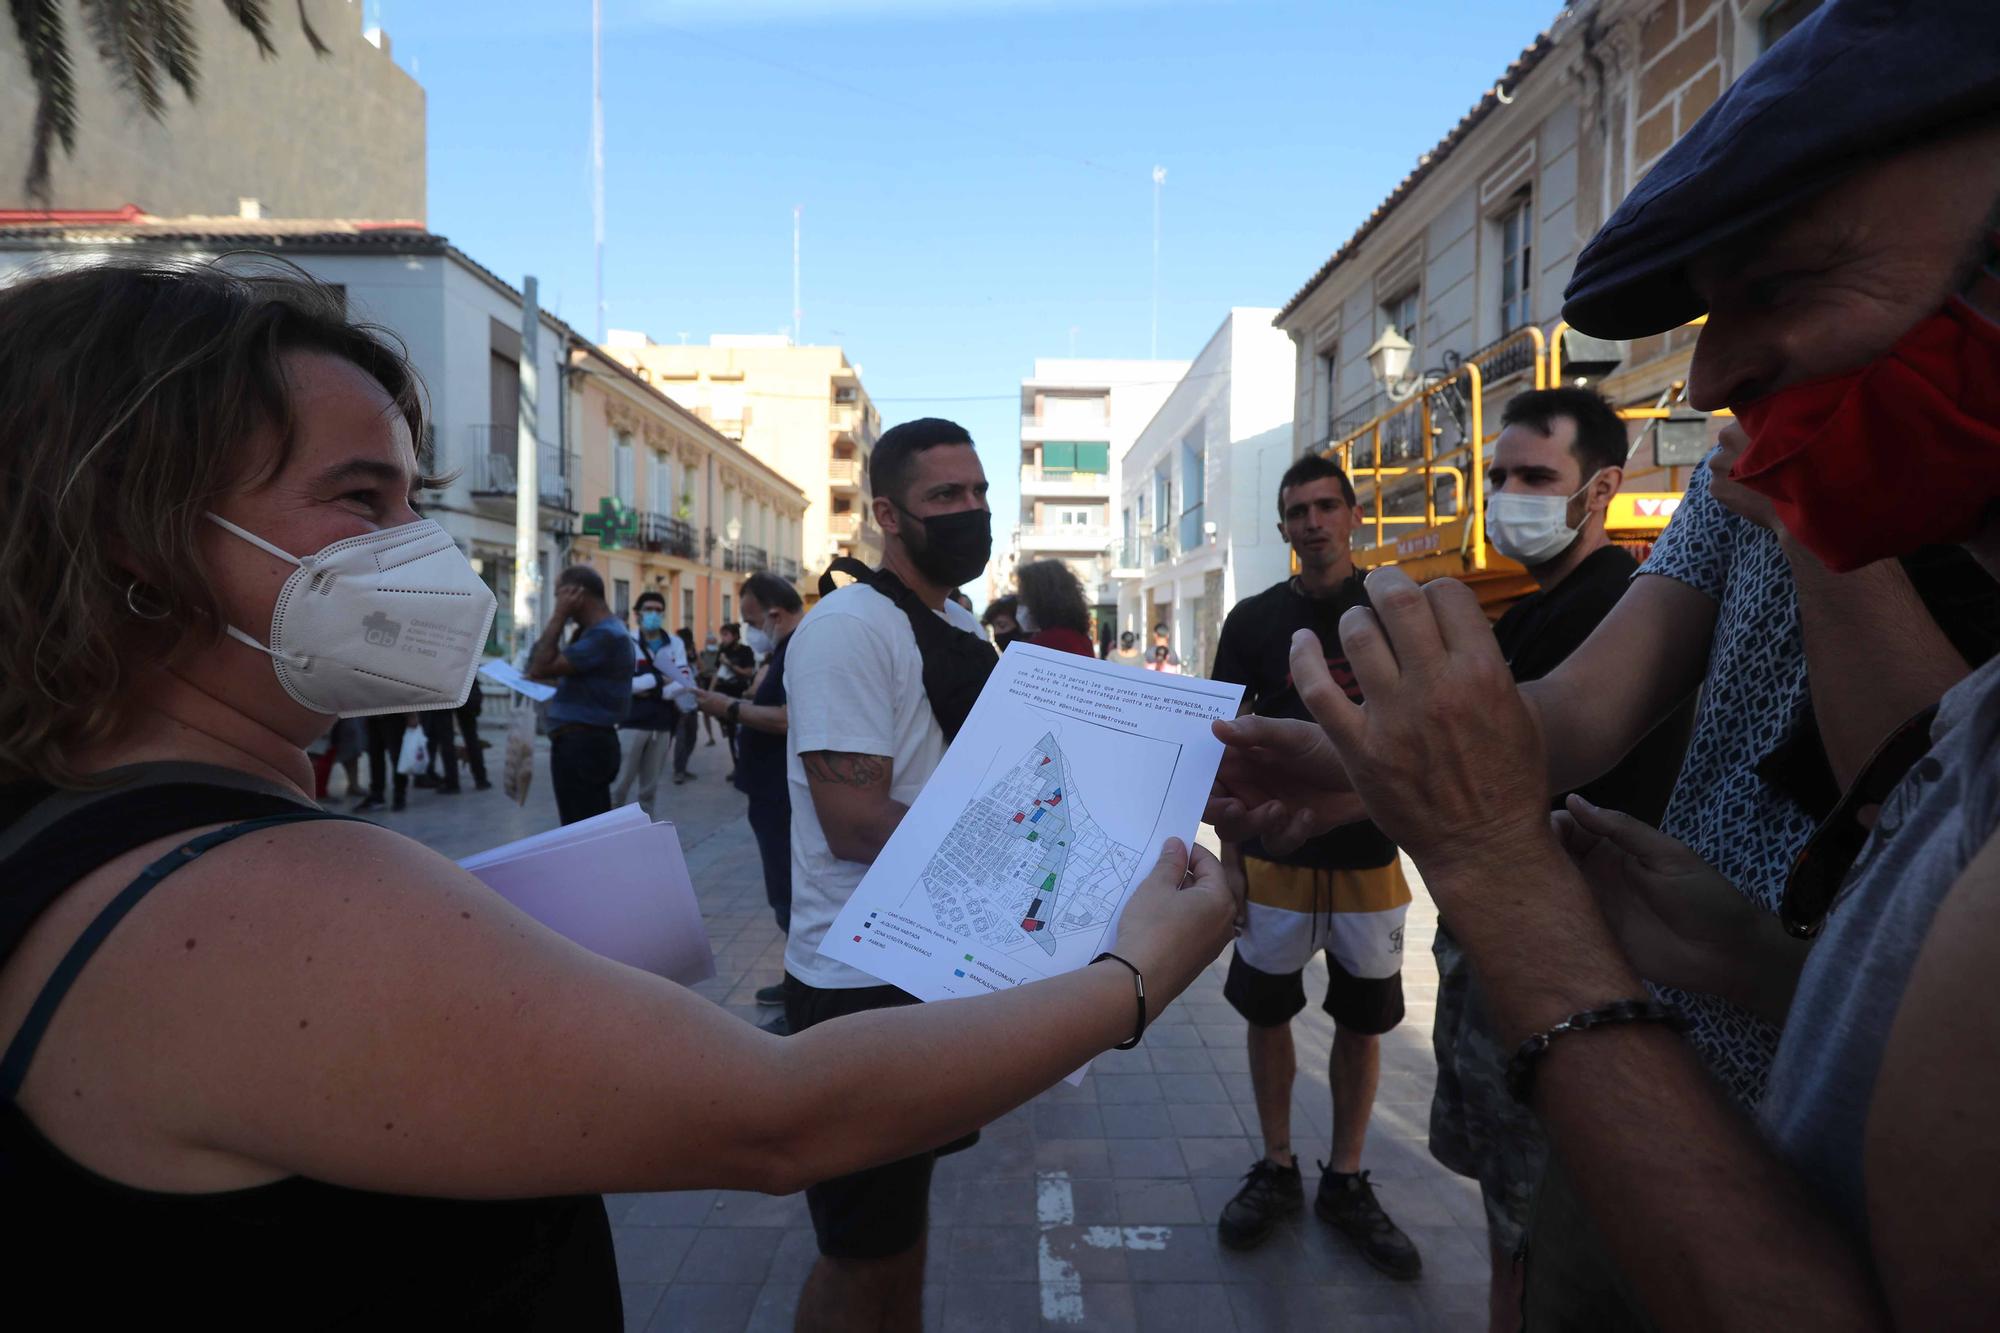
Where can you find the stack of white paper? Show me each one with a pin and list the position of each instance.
(616, 884)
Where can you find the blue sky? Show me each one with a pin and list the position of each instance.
(976, 175)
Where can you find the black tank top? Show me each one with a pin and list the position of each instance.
(296, 1253)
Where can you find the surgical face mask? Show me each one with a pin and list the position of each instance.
(1533, 529)
(758, 639)
(651, 621)
(955, 547)
(388, 622)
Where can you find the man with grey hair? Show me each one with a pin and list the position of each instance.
(1834, 216)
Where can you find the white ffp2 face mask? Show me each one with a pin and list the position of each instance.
(758, 639)
(387, 622)
(1532, 529)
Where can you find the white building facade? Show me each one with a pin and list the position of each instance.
(461, 326)
(1078, 418)
(1197, 510)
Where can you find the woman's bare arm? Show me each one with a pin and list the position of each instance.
(335, 1001)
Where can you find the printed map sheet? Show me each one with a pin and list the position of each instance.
(1050, 806)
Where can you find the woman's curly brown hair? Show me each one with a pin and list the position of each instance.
(1053, 595)
(129, 394)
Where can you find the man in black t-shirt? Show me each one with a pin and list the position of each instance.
(1343, 893)
(772, 609)
(1558, 460)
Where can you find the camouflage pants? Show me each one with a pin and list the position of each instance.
(1477, 1128)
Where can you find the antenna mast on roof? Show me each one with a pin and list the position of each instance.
(1159, 179)
(597, 149)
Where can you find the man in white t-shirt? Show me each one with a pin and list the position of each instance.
(862, 739)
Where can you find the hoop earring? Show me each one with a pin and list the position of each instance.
(132, 604)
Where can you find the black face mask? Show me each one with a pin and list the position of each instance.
(955, 546)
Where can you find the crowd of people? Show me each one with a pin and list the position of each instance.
(1711, 832)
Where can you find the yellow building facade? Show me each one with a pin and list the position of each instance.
(801, 410)
(668, 503)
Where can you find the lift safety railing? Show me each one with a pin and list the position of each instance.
(1426, 410)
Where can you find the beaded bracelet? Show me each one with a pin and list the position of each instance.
(1521, 1069)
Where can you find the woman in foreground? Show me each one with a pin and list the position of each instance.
(256, 1054)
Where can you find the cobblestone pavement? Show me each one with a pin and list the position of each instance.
(1089, 1208)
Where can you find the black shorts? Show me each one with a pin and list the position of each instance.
(1365, 1005)
(884, 1210)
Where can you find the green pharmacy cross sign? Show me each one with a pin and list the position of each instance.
(613, 524)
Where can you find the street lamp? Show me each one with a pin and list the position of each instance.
(1389, 362)
(732, 532)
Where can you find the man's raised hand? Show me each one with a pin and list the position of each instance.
(1445, 755)
(1280, 782)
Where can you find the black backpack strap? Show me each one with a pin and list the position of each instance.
(21, 1051)
(956, 664)
(848, 565)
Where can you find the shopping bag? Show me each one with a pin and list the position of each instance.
(416, 754)
(518, 769)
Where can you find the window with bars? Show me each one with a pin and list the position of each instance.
(1516, 264)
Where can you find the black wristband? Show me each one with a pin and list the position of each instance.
(1139, 988)
(735, 712)
(1521, 1069)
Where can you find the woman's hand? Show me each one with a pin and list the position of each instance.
(1177, 921)
(1681, 923)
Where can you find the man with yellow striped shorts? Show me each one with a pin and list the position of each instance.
(1342, 894)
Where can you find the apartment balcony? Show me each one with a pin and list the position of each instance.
(786, 568)
(1074, 539)
(849, 421)
(490, 469)
(844, 474)
(1038, 426)
(1192, 536)
(743, 558)
(851, 527)
(1125, 557)
(1063, 484)
(667, 536)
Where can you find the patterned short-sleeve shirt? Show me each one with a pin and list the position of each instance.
(1754, 697)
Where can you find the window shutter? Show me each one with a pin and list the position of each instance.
(1093, 458)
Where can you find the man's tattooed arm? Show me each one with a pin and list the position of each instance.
(850, 793)
(846, 770)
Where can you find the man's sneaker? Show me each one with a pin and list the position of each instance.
(368, 803)
(771, 994)
(1269, 1192)
(777, 1027)
(1348, 1202)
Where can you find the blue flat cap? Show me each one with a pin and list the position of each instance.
(1855, 78)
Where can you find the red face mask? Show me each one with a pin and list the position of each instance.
(1902, 453)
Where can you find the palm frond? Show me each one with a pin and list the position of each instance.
(319, 47)
(45, 43)
(254, 17)
(144, 43)
(122, 30)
